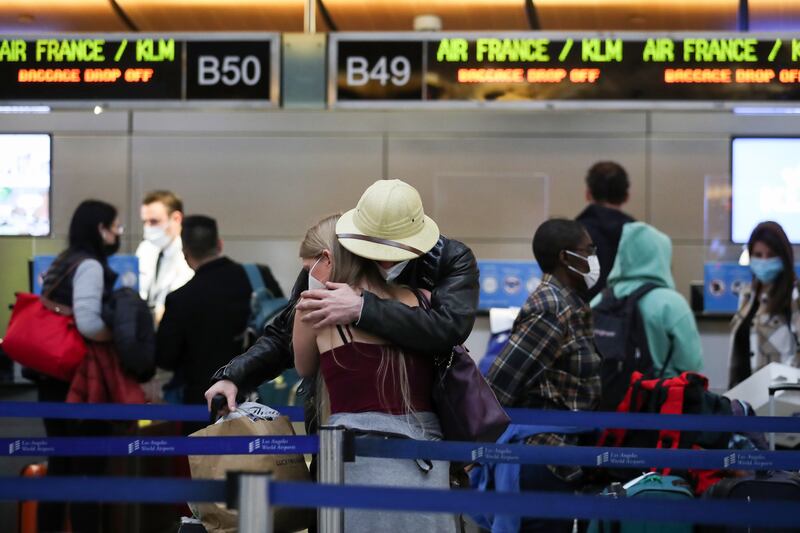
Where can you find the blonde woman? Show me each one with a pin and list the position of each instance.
(372, 385)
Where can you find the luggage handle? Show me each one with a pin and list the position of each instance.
(783, 386)
(772, 390)
(219, 408)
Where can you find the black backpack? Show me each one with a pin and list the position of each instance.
(621, 340)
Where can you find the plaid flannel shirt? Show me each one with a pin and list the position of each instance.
(550, 361)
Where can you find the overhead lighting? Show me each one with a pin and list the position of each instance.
(24, 109)
(757, 110)
(98, 109)
(427, 23)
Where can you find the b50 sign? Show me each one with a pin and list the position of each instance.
(241, 70)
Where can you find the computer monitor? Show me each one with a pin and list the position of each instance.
(25, 184)
(765, 175)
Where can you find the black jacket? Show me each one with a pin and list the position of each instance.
(604, 225)
(132, 330)
(203, 323)
(449, 271)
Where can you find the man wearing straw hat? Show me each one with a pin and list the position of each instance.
(389, 226)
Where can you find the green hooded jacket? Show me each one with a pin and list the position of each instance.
(645, 256)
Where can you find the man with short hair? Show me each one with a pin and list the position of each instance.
(204, 320)
(550, 361)
(607, 187)
(162, 267)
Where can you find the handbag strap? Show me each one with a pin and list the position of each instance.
(63, 277)
(424, 302)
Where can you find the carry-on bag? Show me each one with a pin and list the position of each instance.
(216, 517)
(649, 485)
(467, 407)
(42, 334)
(763, 486)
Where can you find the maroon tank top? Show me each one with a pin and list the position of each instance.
(351, 375)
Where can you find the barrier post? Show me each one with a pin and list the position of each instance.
(255, 510)
(331, 472)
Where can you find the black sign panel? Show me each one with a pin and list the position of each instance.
(232, 70)
(534, 67)
(134, 68)
(389, 70)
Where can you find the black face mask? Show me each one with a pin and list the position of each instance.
(111, 249)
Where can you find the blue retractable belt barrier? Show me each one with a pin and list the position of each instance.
(641, 458)
(112, 489)
(114, 446)
(111, 411)
(606, 420)
(574, 419)
(540, 504)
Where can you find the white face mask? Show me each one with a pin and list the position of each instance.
(157, 236)
(593, 276)
(390, 274)
(313, 283)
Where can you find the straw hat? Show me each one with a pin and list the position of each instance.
(388, 224)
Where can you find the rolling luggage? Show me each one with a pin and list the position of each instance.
(764, 486)
(650, 485)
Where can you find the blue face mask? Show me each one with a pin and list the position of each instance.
(766, 270)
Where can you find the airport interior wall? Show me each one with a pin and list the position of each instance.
(268, 175)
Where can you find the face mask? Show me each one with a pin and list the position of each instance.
(390, 274)
(157, 236)
(313, 283)
(590, 278)
(766, 270)
(111, 249)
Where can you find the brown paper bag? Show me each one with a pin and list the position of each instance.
(216, 517)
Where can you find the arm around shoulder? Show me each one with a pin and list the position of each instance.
(454, 304)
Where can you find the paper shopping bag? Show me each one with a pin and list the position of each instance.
(216, 517)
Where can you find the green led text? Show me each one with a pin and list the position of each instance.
(601, 50)
(14, 50)
(81, 50)
(501, 50)
(659, 50)
(452, 50)
(146, 50)
(720, 50)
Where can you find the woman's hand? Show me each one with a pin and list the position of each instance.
(225, 387)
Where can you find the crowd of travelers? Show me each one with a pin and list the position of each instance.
(381, 295)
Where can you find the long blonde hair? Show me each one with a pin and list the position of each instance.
(353, 270)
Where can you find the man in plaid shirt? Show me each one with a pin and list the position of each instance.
(550, 361)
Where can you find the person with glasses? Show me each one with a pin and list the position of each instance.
(645, 256)
(550, 360)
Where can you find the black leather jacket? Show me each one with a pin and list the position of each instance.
(449, 271)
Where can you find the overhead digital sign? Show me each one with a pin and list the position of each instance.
(530, 67)
(134, 68)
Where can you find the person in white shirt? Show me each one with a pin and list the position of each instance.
(162, 267)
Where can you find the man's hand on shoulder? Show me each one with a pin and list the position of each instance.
(338, 305)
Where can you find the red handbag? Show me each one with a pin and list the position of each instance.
(42, 335)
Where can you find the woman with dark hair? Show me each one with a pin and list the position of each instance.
(80, 278)
(764, 329)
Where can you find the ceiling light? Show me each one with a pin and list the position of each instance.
(427, 23)
(24, 109)
(763, 110)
